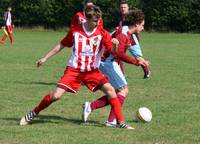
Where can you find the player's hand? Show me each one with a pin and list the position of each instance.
(3, 27)
(143, 62)
(115, 44)
(41, 61)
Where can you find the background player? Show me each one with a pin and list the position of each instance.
(8, 26)
(135, 48)
(80, 18)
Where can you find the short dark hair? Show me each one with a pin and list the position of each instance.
(88, 1)
(124, 2)
(134, 17)
(93, 12)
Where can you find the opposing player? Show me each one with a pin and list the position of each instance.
(110, 66)
(8, 27)
(86, 40)
(135, 48)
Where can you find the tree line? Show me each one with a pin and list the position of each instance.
(161, 15)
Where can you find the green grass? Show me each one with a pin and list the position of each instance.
(172, 93)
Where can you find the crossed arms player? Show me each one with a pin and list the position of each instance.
(86, 40)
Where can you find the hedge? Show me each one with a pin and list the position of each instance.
(166, 15)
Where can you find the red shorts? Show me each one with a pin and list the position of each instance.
(9, 29)
(73, 78)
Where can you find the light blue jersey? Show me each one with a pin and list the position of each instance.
(135, 50)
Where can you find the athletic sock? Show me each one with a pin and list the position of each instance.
(116, 106)
(112, 116)
(145, 69)
(99, 103)
(11, 38)
(46, 101)
(4, 38)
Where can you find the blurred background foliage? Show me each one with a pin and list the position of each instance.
(161, 15)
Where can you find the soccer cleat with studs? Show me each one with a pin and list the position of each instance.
(147, 75)
(124, 126)
(86, 111)
(25, 120)
(111, 123)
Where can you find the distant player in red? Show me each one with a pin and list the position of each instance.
(8, 27)
(83, 67)
(80, 18)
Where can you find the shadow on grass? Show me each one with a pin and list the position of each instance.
(35, 83)
(53, 119)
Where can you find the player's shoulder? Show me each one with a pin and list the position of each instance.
(121, 31)
(76, 28)
(80, 13)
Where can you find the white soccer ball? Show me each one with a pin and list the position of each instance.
(142, 114)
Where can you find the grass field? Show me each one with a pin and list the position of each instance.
(172, 93)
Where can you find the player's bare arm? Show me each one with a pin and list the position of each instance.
(51, 53)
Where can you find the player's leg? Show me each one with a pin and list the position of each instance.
(45, 102)
(10, 31)
(145, 70)
(96, 80)
(68, 82)
(115, 75)
(115, 105)
(121, 94)
(4, 38)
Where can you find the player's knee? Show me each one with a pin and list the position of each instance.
(56, 95)
(123, 91)
(109, 90)
(126, 91)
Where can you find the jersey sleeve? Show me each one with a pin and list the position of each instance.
(135, 48)
(120, 54)
(107, 41)
(67, 41)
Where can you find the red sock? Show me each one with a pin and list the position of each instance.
(116, 106)
(145, 69)
(112, 116)
(11, 38)
(99, 103)
(4, 37)
(47, 100)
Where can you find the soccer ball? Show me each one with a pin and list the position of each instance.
(143, 114)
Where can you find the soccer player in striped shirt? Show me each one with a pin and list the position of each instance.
(86, 41)
(8, 27)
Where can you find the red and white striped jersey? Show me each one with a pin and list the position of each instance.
(87, 47)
